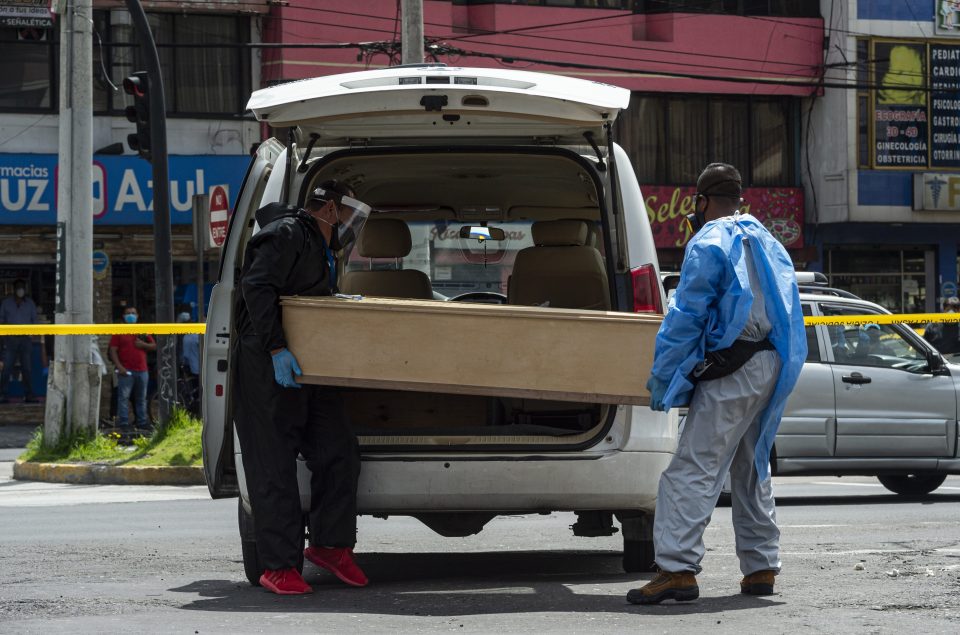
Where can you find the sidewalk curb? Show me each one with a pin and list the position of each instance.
(94, 474)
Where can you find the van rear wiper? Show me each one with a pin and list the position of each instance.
(588, 135)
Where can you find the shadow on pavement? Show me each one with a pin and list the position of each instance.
(460, 584)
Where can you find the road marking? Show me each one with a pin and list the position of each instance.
(848, 484)
(34, 494)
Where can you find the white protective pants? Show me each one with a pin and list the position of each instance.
(719, 435)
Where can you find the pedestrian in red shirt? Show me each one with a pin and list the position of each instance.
(129, 356)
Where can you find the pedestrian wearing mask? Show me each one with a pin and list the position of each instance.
(945, 336)
(18, 309)
(731, 346)
(294, 253)
(128, 352)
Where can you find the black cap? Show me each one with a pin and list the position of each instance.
(720, 179)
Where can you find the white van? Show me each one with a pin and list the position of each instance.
(434, 149)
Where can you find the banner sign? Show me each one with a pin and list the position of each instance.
(945, 106)
(122, 187)
(26, 13)
(900, 105)
(780, 209)
(915, 112)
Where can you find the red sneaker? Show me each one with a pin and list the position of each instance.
(285, 582)
(338, 561)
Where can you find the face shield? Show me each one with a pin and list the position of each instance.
(352, 215)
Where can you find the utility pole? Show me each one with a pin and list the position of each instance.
(73, 387)
(411, 44)
(163, 264)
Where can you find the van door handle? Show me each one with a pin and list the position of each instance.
(856, 379)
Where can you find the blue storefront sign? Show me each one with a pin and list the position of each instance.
(122, 187)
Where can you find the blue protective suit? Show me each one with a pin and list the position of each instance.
(711, 307)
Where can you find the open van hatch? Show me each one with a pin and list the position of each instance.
(440, 101)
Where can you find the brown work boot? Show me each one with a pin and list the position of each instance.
(681, 587)
(758, 583)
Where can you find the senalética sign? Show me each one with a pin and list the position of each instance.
(122, 187)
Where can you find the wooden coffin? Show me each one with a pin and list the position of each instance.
(474, 349)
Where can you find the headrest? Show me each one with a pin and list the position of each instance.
(384, 238)
(558, 233)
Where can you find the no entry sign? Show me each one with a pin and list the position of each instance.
(219, 208)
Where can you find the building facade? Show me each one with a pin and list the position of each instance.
(209, 70)
(884, 152)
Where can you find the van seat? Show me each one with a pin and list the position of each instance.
(560, 270)
(386, 238)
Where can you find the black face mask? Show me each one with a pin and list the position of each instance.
(335, 238)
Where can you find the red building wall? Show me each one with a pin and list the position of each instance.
(770, 56)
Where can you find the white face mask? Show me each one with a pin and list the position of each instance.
(21, 293)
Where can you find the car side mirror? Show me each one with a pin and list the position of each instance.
(935, 362)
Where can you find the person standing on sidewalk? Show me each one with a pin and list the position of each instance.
(129, 356)
(731, 345)
(18, 309)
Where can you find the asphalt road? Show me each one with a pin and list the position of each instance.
(167, 559)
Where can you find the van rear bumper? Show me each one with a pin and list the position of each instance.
(405, 485)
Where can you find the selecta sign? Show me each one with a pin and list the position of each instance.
(780, 209)
(122, 187)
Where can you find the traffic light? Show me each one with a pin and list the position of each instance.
(138, 87)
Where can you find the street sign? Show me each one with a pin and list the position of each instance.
(60, 289)
(219, 211)
(948, 289)
(101, 263)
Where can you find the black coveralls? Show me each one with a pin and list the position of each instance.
(288, 256)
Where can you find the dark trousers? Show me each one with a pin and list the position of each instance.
(276, 424)
(18, 347)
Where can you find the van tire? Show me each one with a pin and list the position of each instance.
(638, 556)
(248, 546)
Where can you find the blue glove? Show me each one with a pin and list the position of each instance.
(658, 389)
(285, 366)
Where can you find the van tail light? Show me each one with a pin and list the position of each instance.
(218, 390)
(646, 290)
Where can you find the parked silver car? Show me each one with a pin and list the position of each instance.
(872, 400)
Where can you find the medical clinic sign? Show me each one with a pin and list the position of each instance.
(780, 209)
(122, 187)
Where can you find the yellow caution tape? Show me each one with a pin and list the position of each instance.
(881, 318)
(101, 329)
(182, 328)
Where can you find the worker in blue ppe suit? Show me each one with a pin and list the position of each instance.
(731, 346)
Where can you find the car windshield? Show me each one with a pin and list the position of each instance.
(457, 265)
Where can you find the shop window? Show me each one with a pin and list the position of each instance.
(671, 139)
(771, 156)
(197, 81)
(28, 81)
(893, 278)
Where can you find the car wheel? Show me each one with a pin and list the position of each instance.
(638, 556)
(913, 484)
(248, 546)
